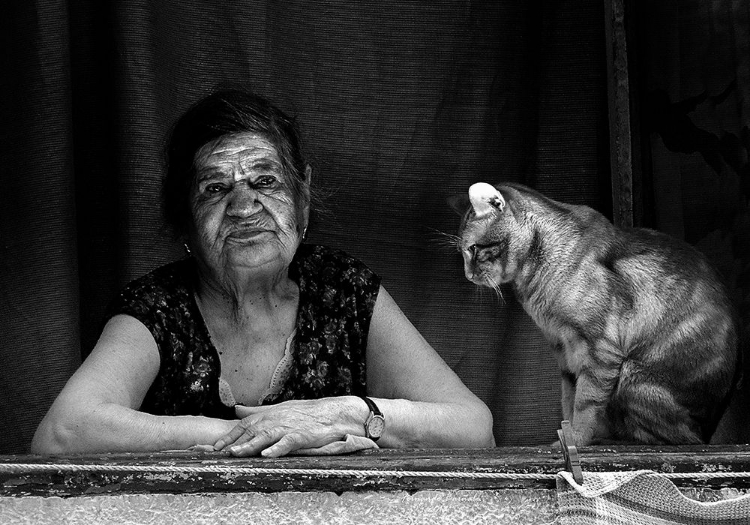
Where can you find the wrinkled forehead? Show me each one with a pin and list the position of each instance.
(239, 148)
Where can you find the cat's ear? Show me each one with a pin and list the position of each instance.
(459, 203)
(485, 198)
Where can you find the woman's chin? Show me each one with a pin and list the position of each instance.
(256, 255)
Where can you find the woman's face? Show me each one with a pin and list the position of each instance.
(243, 211)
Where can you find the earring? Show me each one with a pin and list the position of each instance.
(304, 232)
(187, 249)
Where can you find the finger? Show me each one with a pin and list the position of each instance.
(235, 434)
(248, 435)
(262, 440)
(288, 443)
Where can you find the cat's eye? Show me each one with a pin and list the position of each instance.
(476, 248)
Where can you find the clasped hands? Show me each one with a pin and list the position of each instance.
(309, 427)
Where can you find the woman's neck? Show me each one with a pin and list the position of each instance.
(243, 295)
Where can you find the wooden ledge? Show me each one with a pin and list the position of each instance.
(379, 470)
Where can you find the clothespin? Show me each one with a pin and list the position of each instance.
(570, 452)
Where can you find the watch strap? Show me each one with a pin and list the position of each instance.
(375, 415)
(373, 407)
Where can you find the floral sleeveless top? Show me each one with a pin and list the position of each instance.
(337, 295)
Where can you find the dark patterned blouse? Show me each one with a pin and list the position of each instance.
(337, 295)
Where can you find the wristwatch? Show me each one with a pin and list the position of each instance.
(375, 423)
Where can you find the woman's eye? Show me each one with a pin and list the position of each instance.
(214, 188)
(265, 182)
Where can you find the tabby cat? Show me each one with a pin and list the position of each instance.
(643, 330)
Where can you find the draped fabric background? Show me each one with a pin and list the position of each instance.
(403, 105)
(694, 64)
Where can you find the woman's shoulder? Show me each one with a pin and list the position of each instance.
(163, 287)
(331, 264)
(321, 254)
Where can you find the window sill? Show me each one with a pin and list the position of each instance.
(715, 466)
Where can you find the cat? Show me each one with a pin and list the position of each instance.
(643, 330)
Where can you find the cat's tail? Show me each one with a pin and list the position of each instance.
(733, 401)
(743, 347)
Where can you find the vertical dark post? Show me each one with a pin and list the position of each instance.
(622, 105)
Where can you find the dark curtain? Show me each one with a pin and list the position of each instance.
(403, 104)
(694, 77)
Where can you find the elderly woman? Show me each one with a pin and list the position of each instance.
(255, 343)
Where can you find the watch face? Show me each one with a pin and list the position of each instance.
(376, 426)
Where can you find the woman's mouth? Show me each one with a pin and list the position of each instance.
(246, 235)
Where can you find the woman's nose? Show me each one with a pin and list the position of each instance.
(243, 201)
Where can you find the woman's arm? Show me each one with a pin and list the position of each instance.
(425, 404)
(97, 410)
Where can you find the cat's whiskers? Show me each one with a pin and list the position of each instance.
(494, 285)
(445, 240)
(489, 283)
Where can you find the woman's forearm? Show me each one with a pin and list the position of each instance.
(411, 424)
(113, 428)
